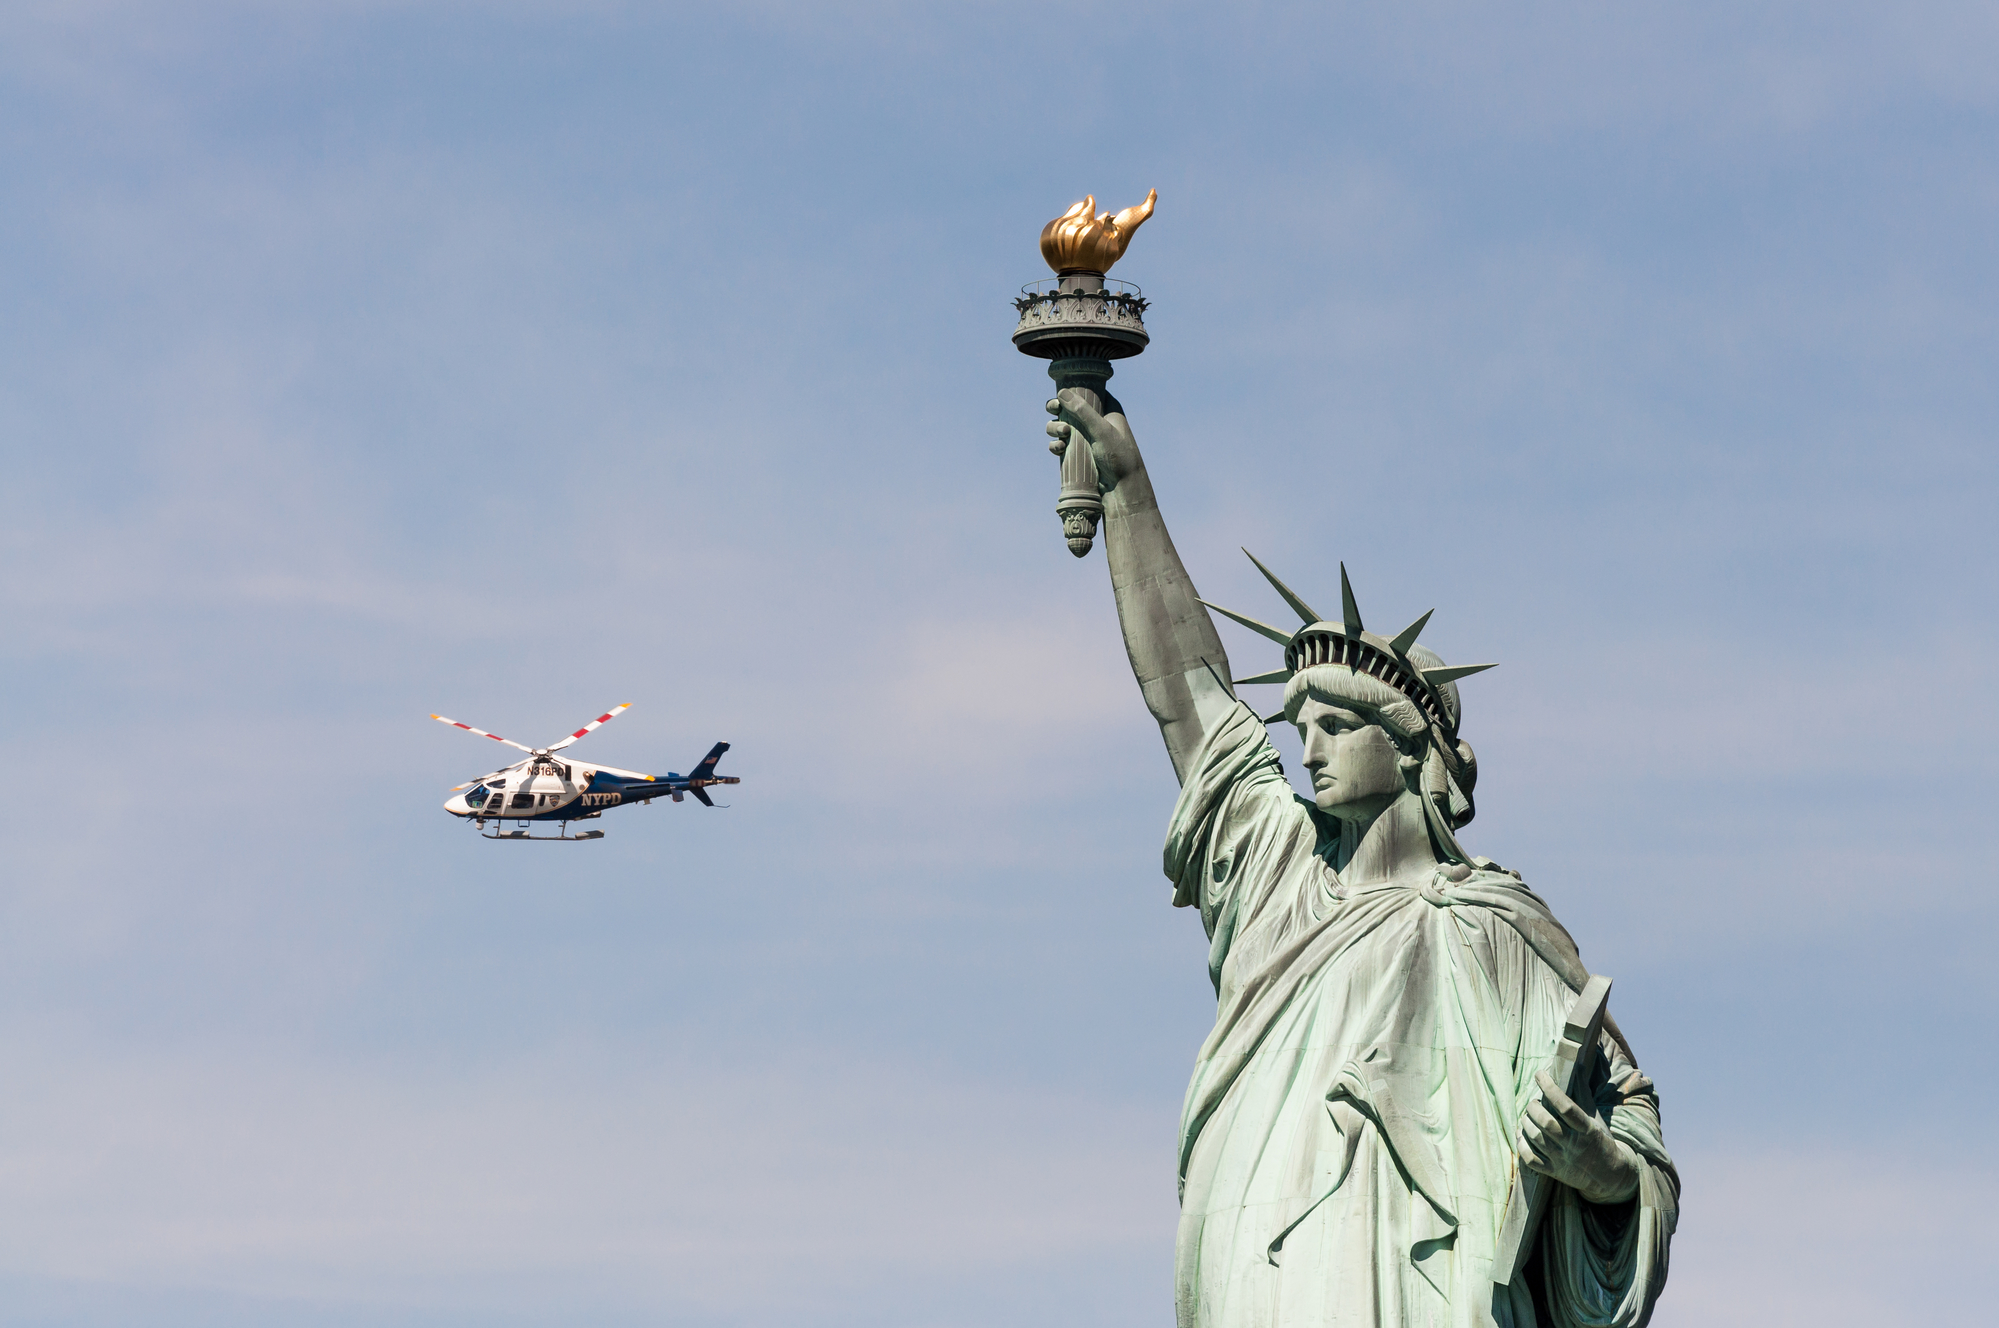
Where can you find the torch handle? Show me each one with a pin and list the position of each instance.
(1080, 506)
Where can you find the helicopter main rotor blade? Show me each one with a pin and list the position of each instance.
(596, 723)
(482, 733)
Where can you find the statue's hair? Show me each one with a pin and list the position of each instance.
(1337, 684)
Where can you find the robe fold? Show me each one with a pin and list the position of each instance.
(1346, 1146)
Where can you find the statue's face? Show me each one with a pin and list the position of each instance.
(1352, 760)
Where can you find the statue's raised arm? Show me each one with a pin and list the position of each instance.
(1175, 651)
(1081, 322)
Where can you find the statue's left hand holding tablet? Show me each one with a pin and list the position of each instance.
(1562, 1141)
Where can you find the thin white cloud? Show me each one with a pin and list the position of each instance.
(1831, 1236)
(655, 1184)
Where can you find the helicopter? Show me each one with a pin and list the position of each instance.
(545, 790)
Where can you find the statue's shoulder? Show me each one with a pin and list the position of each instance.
(1234, 793)
(1500, 894)
(1489, 886)
(1480, 871)
(1487, 867)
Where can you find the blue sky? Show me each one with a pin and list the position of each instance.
(364, 360)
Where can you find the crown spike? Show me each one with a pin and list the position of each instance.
(1298, 606)
(1451, 673)
(1277, 718)
(1261, 629)
(1275, 675)
(1349, 611)
(1407, 636)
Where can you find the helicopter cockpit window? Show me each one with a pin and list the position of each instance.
(477, 797)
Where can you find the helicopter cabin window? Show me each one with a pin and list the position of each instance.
(523, 800)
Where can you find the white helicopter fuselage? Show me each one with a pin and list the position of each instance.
(537, 790)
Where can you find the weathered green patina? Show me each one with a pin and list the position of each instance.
(1363, 1122)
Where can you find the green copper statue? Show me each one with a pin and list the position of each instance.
(1413, 1109)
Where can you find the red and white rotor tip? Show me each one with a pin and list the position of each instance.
(593, 725)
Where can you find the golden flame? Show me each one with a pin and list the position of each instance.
(1081, 241)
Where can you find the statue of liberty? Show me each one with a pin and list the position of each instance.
(1378, 1099)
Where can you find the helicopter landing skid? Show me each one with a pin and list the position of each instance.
(564, 838)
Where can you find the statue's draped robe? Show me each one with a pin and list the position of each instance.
(1346, 1146)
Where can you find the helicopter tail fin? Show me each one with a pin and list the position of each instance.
(701, 795)
(706, 770)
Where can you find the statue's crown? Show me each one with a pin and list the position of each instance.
(1347, 642)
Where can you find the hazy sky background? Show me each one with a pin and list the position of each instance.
(364, 360)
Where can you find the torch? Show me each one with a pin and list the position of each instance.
(1079, 321)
